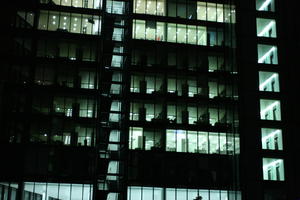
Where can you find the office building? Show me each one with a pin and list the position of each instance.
(149, 100)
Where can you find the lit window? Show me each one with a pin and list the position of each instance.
(67, 22)
(211, 12)
(270, 109)
(136, 139)
(220, 13)
(265, 5)
(149, 193)
(268, 81)
(181, 141)
(36, 190)
(271, 139)
(273, 169)
(201, 10)
(267, 54)
(266, 27)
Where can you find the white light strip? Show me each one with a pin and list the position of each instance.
(266, 29)
(261, 86)
(273, 163)
(265, 4)
(266, 55)
(272, 134)
(269, 108)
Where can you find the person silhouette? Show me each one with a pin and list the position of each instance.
(198, 198)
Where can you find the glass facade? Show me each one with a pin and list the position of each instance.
(270, 109)
(148, 95)
(51, 191)
(183, 141)
(69, 22)
(158, 193)
(112, 79)
(93, 4)
(177, 33)
(192, 10)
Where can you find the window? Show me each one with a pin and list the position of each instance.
(139, 29)
(145, 193)
(271, 139)
(181, 141)
(137, 84)
(211, 12)
(214, 146)
(69, 22)
(145, 138)
(201, 10)
(268, 81)
(139, 6)
(220, 13)
(66, 49)
(85, 136)
(171, 140)
(44, 75)
(216, 63)
(65, 77)
(270, 109)
(273, 169)
(96, 4)
(201, 35)
(201, 115)
(116, 7)
(201, 142)
(24, 19)
(265, 5)
(186, 9)
(114, 137)
(229, 13)
(150, 193)
(52, 191)
(266, 27)
(118, 34)
(171, 113)
(181, 33)
(66, 106)
(171, 33)
(136, 139)
(267, 54)
(182, 87)
(150, 7)
(115, 109)
(192, 34)
(117, 61)
(176, 33)
(87, 108)
(87, 79)
(137, 112)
